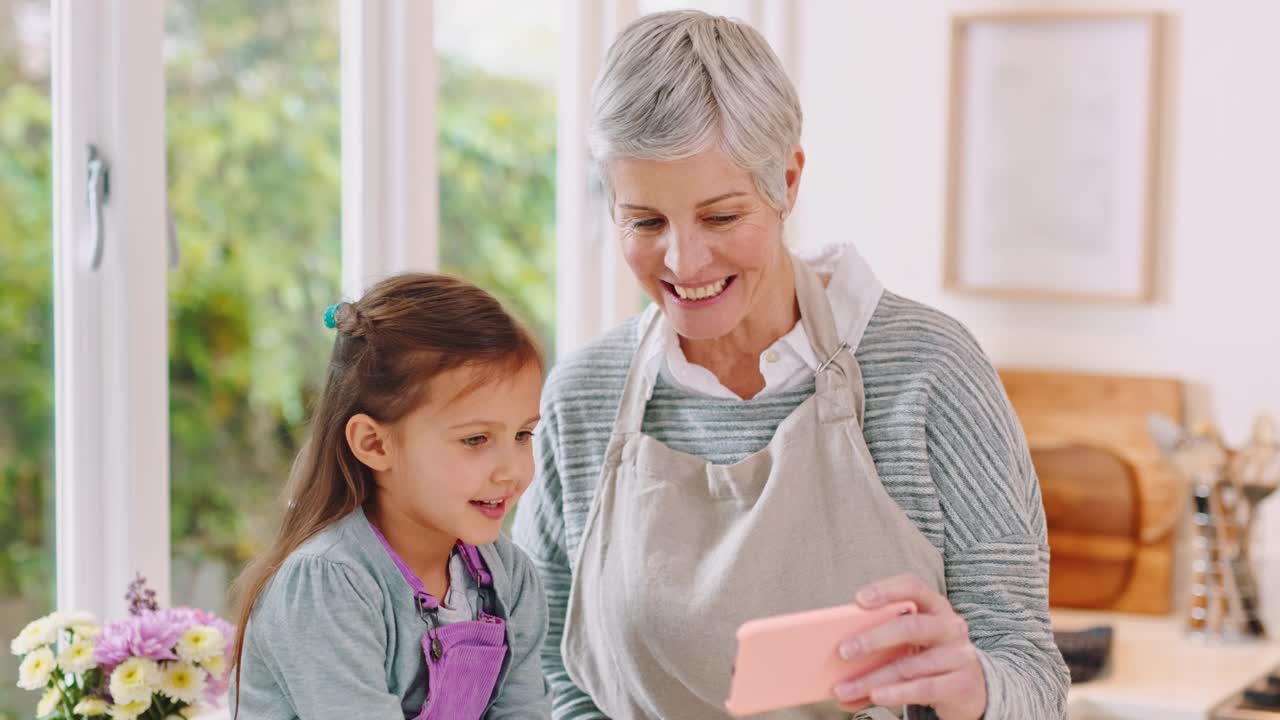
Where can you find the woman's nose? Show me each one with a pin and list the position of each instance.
(687, 253)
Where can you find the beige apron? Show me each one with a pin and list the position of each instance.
(678, 552)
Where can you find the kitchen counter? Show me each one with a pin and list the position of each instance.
(1157, 672)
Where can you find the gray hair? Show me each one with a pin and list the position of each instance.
(674, 83)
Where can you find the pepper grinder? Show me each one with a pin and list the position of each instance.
(1255, 474)
(1223, 591)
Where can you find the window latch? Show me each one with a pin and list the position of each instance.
(98, 191)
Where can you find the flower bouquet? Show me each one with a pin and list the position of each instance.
(155, 664)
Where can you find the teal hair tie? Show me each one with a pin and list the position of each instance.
(331, 315)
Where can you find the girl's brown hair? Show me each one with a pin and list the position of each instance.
(391, 342)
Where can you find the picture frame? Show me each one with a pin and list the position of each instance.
(1053, 155)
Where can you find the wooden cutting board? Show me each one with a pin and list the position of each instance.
(1111, 503)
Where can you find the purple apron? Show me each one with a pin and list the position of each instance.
(463, 658)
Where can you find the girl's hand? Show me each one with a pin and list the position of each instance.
(944, 673)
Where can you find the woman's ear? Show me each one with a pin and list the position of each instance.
(369, 442)
(794, 169)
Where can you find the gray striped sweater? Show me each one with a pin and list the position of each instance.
(945, 441)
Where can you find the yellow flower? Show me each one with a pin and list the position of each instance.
(182, 681)
(129, 710)
(78, 657)
(36, 669)
(216, 665)
(36, 634)
(134, 680)
(200, 643)
(48, 703)
(90, 707)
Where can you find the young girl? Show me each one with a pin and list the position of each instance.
(389, 592)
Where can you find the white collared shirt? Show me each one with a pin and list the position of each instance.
(853, 292)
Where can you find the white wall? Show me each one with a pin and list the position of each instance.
(873, 76)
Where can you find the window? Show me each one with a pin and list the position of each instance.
(497, 154)
(26, 334)
(253, 116)
(228, 117)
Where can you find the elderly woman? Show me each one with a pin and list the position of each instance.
(773, 434)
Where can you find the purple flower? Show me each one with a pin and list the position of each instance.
(140, 597)
(150, 634)
(154, 633)
(186, 617)
(215, 689)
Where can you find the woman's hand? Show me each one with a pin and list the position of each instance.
(944, 673)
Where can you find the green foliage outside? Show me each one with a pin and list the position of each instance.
(26, 352)
(253, 130)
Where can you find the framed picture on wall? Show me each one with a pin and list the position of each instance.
(1053, 150)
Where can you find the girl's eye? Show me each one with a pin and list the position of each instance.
(475, 440)
(524, 436)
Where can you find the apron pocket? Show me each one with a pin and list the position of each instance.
(461, 682)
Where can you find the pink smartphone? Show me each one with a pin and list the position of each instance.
(794, 659)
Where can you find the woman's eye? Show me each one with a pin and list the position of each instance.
(524, 436)
(646, 224)
(722, 219)
(475, 440)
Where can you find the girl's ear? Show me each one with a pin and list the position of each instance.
(368, 440)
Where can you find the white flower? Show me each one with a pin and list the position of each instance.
(129, 710)
(90, 707)
(37, 667)
(216, 665)
(182, 681)
(48, 703)
(78, 657)
(200, 643)
(84, 631)
(191, 711)
(134, 680)
(61, 620)
(36, 634)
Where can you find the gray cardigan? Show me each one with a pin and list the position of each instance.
(335, 634)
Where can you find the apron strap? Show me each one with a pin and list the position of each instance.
(480, 574)
(635, 394)
(427, 603)
(475, 564)
(838, 376)
(425, 600)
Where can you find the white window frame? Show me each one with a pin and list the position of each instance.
(110, 324)
(595, 289)
(390, 172)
